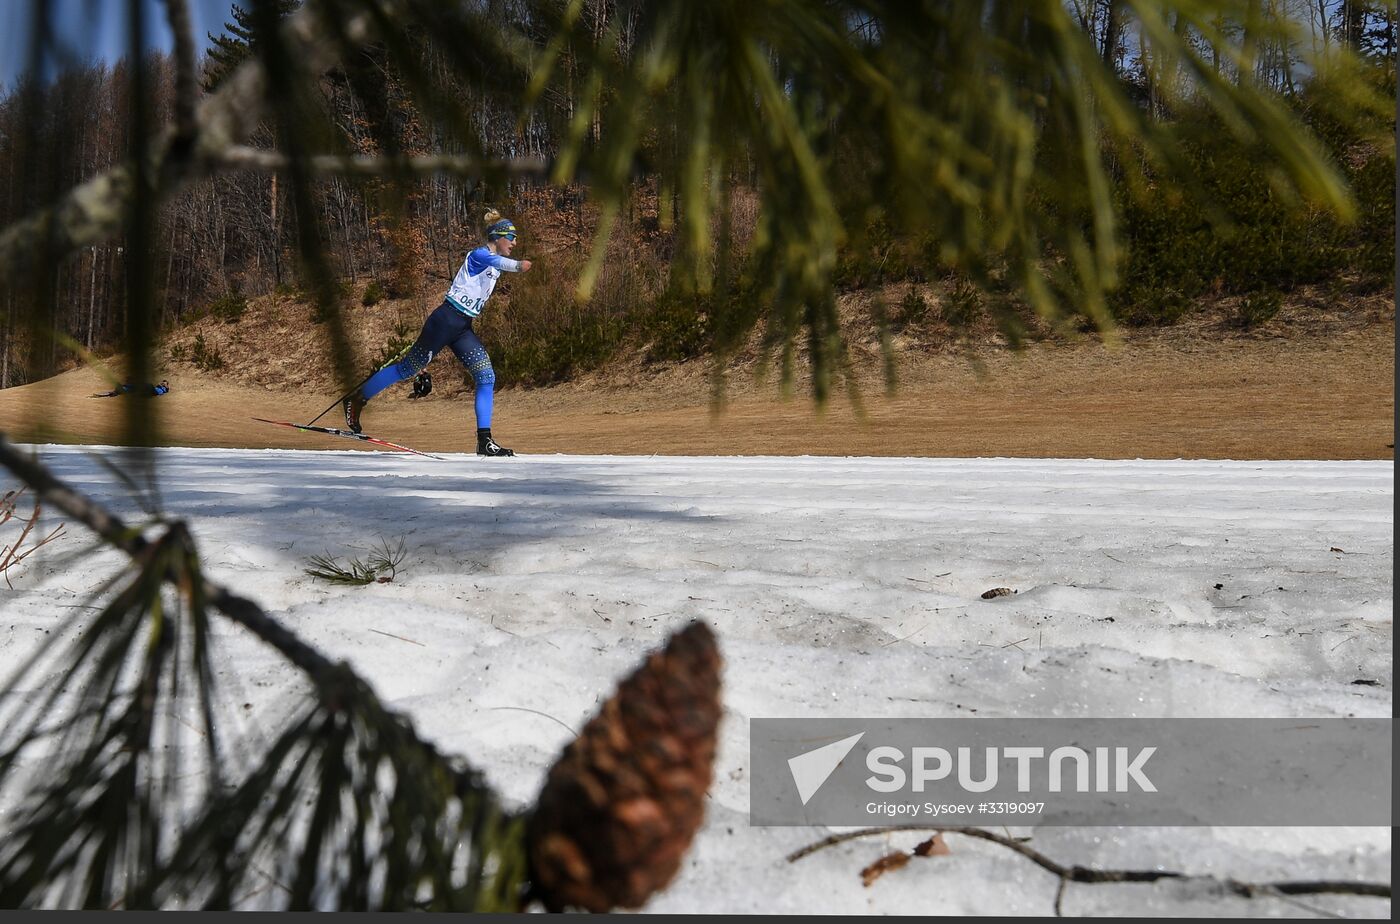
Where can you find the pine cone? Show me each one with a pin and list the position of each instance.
(624, 800)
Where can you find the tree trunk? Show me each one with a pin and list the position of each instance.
(169, 274)
(92, 297)
(1113, 23)
(1249, 45)
(1353, 21)
(5, 348)
(276, 230)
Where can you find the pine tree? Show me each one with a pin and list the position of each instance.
(238, 41)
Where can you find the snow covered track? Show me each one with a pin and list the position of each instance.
(837, 587)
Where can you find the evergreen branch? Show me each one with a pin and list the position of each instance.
(242, 157)
(101, 826)
(128, 539)
(326, 568)
(97, 808)
(381, 565)
(95, 517)
(1086, 874)
(350, 806)
(324, 777)
(385, 559)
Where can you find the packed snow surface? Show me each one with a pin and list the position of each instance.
(837, 587)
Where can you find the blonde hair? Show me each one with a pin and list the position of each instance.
(490, 218)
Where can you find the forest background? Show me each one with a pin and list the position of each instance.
(232, 237)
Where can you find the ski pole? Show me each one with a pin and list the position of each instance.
(359, 386)
(341, 399)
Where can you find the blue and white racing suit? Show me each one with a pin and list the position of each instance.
(450, 325)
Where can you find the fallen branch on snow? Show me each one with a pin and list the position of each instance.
(1068, 874)
(10, 555)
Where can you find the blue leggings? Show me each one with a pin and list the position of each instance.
(445, 327)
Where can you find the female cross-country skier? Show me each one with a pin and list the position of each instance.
(450, 325)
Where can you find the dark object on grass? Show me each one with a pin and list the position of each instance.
(422, 385)
(143, 389)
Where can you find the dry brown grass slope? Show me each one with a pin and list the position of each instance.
(1317, 382)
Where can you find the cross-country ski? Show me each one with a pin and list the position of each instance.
(347, 434)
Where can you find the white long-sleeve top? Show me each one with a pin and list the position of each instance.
(477, 279)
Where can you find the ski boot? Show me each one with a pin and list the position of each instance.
(354, 403)
(485, 446)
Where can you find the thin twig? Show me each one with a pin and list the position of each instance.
(560, 722)
(10, 551)
(905, 638)
(197, 731)
(1311, 909)
(400, 638)
(1087, 875)
(11, 555)
(242, 157)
